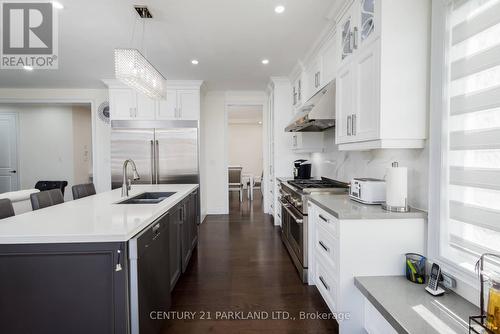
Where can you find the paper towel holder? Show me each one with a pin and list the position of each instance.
(400, 209)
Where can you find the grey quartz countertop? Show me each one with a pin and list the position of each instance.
(342, 207)
(410, 309)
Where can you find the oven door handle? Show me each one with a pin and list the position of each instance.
(295, 218)
(285, 205)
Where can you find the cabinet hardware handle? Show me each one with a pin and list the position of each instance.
(324, 247)
(354, 125)
(324, 284)
(156, 228)
(355, 38)
(153, 173)
(323, 219)
(118, 266)
(319, 78)
(13, 172)
(349, 125)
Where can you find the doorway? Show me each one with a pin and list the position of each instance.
(46, 142)
(245, 153)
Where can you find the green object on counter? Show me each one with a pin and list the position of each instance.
(412, 268)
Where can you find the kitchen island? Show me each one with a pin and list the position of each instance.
(94, 265)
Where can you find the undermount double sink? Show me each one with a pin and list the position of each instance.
(147, 198)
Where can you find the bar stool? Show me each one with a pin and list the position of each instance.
(6, 208)
(83, 190)
(47, 198)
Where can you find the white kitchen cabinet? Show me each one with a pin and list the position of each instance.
(341, 249)
(322, 67)
(182, 102)
(126, 104)
(329, 60)
(365, 119)
(180, 105)
(382, 88)
(374, 322)
(307, 142)
(146, 107)
(122, 104)
(313, 77)
(167, 109)
(297, 91)
(188, 104)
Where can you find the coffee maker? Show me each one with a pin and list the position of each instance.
(301, 169)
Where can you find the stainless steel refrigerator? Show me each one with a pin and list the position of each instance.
(163, 151)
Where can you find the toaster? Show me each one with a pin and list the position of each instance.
(367, 190)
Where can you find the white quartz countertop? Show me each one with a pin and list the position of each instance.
(91, 219)
(342, 207)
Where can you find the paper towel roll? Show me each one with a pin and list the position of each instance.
(396, 192)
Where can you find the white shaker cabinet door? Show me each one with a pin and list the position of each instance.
(189, 104)
(344, 104)
(146, 107)
(167, 109)
(122, 104)
(366, 122)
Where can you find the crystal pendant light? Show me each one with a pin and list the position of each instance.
(134, 70)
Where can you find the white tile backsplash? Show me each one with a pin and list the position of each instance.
(346, 165)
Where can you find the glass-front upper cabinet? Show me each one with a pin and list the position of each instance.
(346, 37)
(367, 26)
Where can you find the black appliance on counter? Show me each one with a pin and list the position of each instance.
(301, 169)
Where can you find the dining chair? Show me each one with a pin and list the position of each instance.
(47, 198)
(6, 208)
(235, 180)
(83, 190)
(49, 185)
(257, 184)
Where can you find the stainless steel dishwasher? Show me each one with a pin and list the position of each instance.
(149, 277)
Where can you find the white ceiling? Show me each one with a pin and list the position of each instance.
(228, 37)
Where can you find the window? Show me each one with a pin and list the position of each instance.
(465, 133)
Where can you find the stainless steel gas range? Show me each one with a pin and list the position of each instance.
(294, 225)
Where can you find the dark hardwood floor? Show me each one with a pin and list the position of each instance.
(241, 265)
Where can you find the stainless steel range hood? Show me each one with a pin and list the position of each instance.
(317, 114)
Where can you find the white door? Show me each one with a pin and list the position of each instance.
(344, 104)
(367, 104)
(189, 104)
(167, 109)
(9, 179)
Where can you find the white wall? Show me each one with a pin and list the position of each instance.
(101, 132)
(245, 147)
(214, 196)
(214, 145)
(82, 144)
(344, 166)
(47, 137)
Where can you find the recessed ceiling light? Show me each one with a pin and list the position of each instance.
(57, 5)
(28, 68)
(265, 61)
(195, 62)
(279, 9)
